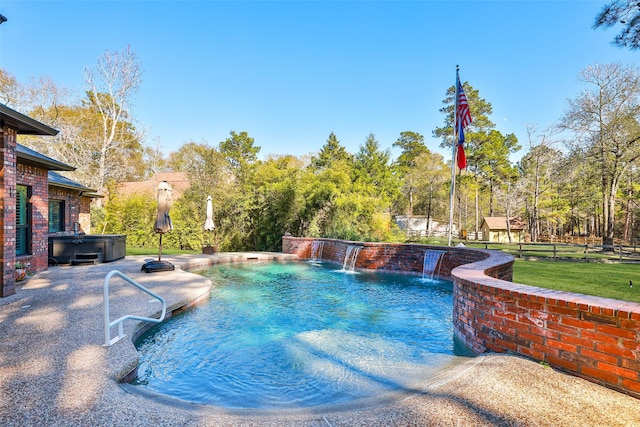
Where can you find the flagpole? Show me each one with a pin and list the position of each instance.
(453, 156)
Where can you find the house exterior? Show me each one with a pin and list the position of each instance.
(422, 226)
(34, 200)
(494, 229)
(69, 204)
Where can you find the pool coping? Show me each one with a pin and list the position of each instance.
(448, 374)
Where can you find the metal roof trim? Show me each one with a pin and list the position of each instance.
(25, 124)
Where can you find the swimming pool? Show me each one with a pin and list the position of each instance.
(292, 335)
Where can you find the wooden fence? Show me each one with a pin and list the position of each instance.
(594, 252)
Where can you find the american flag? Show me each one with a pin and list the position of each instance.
(462, 120)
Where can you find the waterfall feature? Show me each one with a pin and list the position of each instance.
(316, 250)
(431, 264)
(350, 257)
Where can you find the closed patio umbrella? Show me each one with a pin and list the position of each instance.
(209, 226)
(208, 223)
(163, 220)
(162, 225)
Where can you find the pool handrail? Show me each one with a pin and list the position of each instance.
(108, 341)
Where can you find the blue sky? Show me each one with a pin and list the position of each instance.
(291, 72)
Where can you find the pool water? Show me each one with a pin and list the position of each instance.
(291, 335)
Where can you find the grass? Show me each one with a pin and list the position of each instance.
(154, 251)
(560, 250)
(600, 279)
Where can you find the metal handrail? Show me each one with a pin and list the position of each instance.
(108, 341)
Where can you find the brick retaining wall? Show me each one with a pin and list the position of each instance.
(594, 338)
(394, 257)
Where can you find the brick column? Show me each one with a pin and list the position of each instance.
(7, 210)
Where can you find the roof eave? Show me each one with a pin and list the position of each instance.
(51, 165)
(24, 124)
(83, 192)
(60, 181)
(72, 187)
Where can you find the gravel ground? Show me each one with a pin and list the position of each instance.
(54, 370)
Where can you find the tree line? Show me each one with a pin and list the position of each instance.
(577, 177)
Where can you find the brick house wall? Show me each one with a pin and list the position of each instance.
(36, 178)
(31, 171)
(72, 205)
(84, 214)
(7, 210)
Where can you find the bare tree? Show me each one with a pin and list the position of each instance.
(53, 105)
(111, 86)
(45, 99)
(605, 123)
(536, 169)
(9, 89)
(154, 159)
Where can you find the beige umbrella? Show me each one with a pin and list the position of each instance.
(163, 220)
(162, 225)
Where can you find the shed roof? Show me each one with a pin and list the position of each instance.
(25, 124)
(500, 223)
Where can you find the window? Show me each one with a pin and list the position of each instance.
(23, 220)
(56, 216)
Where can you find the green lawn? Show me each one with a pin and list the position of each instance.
(154, 251)
(601, 279)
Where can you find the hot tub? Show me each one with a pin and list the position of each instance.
(88, 248)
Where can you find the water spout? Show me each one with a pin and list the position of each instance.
(431, 263)
(316, 250)
(350, 257)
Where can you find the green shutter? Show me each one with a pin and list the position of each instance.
(22, 220)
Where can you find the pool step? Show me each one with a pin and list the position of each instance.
(87, 258)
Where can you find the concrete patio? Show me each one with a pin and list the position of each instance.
(54, 370)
